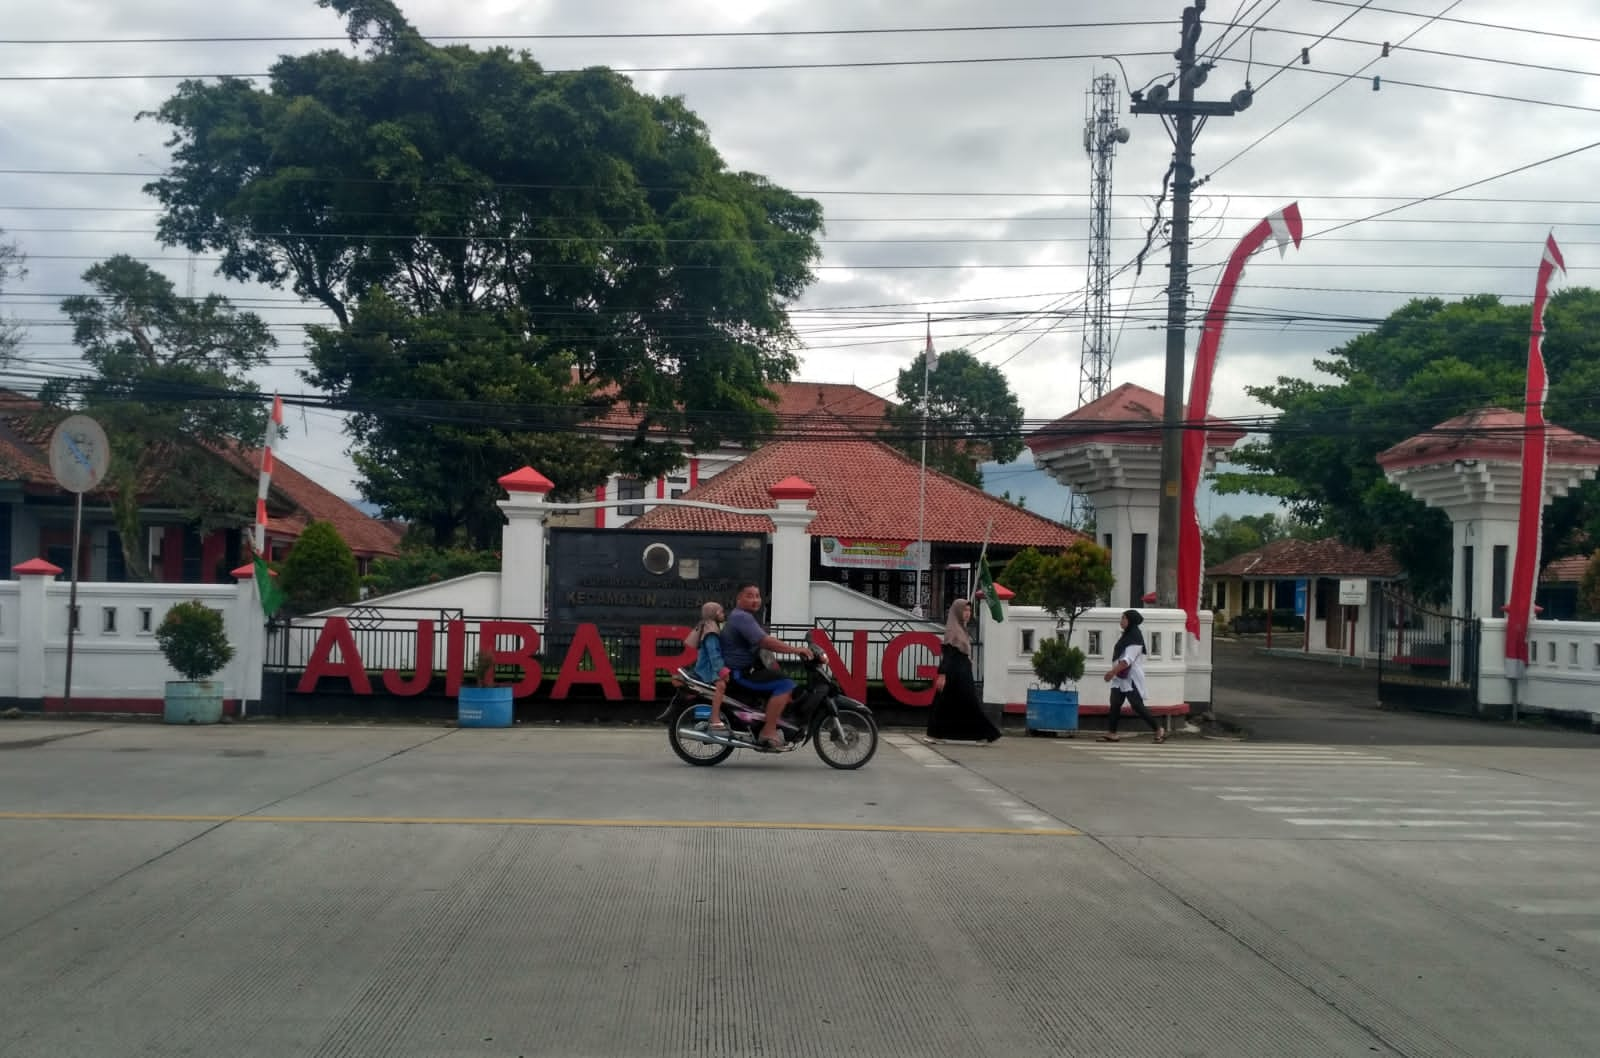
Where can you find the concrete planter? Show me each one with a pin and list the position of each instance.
(1052, 710)
(484, 707)
(196, 702)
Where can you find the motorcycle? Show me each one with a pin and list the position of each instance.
(842, 729)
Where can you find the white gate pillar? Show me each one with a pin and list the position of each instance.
(522, 544)
(33, 621)
(791, 551)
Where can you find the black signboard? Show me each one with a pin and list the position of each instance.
(627, 578)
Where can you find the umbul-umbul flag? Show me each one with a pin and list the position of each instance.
(930, 359)
(1535, 443)
(1283, 227)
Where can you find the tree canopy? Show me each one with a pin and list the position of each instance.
(171, 388)
(506, 253)
(972, 415)
(1230, 536)
(1428, 362)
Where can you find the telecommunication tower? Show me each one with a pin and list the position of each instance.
(1101, 135)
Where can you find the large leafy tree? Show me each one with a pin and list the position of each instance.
(170, 386)
(972, 415)
(1230, 536)
(506, 252)
(1429, 361)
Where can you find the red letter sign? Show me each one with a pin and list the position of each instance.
(335, 633)
(853, 684)
(489, 633)
(891, 667)
(587, 644)
(423, 666)
(652, 663)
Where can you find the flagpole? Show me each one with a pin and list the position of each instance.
(922, 477)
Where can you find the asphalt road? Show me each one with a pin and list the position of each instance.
(285, 891)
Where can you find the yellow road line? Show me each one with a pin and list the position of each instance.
(500, 821)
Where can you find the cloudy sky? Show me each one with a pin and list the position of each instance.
(956, 188)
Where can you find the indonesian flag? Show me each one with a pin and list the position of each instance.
(274, 427)
(1283, 227)
(1535, 444)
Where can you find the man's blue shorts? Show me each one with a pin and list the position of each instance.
(780, 685)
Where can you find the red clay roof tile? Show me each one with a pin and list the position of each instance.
(1311, 558)
(1129, 415)
(865, 490)
(1488, 434)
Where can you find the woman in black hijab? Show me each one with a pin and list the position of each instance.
(957, 714)
(1126, 677)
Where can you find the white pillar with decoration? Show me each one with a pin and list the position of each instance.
(34, 577)
(522, 544)
(792, 515)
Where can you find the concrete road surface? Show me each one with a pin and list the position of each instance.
(284, 891)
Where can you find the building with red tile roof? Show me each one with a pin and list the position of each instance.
(838, 409)
(868, 491)
(35, 515)
(1266, 578)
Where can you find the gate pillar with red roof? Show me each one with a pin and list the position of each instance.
(32, 622)
(522, 544)
(791, 551)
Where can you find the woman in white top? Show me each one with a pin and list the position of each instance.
(1126, 677)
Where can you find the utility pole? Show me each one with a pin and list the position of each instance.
(1181, 115)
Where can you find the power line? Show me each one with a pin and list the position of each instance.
(1279, 71)
(864, 64)
(1469, 22)
(1270, 132)
(609, 35)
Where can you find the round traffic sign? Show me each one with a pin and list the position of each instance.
(80, 455)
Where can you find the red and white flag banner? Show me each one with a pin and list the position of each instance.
(1283, 227)
(264, 484)
(1535, 445)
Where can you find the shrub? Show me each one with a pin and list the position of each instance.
(193, 640)
(320, 572)
(415, 567)
(1056, 663)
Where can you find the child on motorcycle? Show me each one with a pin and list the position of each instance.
(708, 666)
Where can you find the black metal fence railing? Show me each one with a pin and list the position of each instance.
(1426, 659)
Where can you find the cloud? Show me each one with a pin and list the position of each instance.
(1000, 143)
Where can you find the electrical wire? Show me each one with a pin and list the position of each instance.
(1469, 22)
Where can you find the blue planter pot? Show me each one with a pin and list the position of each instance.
(1052, 710)
(483, 707)
(192, 702)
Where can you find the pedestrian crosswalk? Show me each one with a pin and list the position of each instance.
(1360, 793)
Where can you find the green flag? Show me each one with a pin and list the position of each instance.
(986, 585)
(271, 594)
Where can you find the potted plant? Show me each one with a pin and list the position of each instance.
(484, 703)
(1066, 585)
(193, 639)
(1050, 708)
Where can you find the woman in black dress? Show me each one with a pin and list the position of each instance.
(957, 715)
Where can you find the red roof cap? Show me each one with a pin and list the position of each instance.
(793, 487)
(248, 570)
(36, 567)
(1003, 593)
(1489, 434)
(527, 480)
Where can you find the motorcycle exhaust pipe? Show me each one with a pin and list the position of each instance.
(706, 736)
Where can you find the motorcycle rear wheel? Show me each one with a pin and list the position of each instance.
(847, 741)
(692, 750)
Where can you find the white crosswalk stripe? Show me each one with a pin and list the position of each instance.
(1361, 794)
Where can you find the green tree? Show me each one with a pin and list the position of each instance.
(419, 566)
(320, 572)
(972, 415)
(1230, 536)
(168, 375)
(457, 209)
(1589, 589)
(11, 268)
(1075, 580)
(1428, 362)
(1024, 575)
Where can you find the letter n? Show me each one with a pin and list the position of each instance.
(852, 682)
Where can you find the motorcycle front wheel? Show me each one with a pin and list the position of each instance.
(690, 749)
(847, 740)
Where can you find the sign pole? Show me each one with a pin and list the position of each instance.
(79, 458)
(72, 595)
